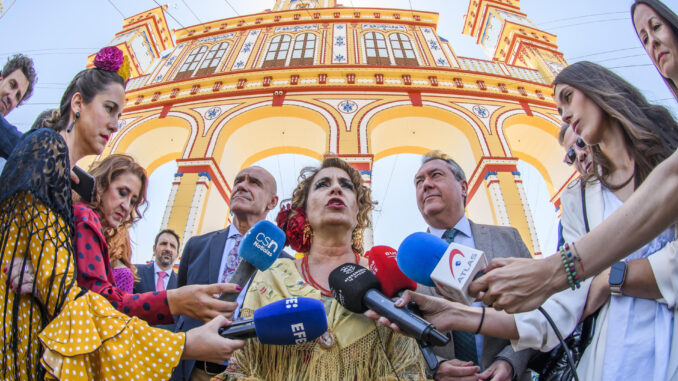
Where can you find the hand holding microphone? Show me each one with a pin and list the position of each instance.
(259, 248)
(382, 263)
(433, 262)
(357, 289)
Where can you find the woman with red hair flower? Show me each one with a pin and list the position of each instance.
(329, 210)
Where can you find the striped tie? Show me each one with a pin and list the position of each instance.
(464, 342)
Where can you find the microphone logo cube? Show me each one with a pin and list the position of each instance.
(456, 270)
(291, 303)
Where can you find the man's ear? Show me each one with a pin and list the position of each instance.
(272, 204)
(464, 188)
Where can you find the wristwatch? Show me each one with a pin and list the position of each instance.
(617, 277)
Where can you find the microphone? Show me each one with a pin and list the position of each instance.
(431, 261)
(259, 248)
(289, 321)
(357, 289)
(382, 260)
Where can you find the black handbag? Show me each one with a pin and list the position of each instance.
(553, 365)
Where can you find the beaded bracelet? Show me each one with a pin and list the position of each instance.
(568, 263)
(577, 257)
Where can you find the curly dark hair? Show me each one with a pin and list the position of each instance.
(25, 64)
(363, 194)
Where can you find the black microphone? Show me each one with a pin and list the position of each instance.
(357, 289)
(383, 265)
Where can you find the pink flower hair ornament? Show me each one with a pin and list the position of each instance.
(112, 59)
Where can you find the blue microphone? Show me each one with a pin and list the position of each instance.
(289, 321)
(259, 248)
(419, 254)
(450, 267)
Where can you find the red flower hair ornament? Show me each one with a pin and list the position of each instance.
(293, 223)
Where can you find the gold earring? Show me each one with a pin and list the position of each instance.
(308, 234)
(358, 240)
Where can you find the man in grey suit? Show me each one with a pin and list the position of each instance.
(212, 257)
(159, 275)
(441, 191)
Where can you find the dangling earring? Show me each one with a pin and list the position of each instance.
(308, 235)
(70, 126)
(358, 240)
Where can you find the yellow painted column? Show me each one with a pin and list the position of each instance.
(507, 196)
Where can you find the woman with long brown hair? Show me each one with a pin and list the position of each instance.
(634, 329)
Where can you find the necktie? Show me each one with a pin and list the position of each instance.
(232, 260)
(464, 342)
(160, 285)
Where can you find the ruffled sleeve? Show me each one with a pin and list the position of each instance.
(89, 340)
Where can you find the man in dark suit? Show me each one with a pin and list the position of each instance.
(159, 275)
(212, 257)
(441, 191)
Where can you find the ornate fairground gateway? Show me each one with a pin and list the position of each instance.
(311, 77)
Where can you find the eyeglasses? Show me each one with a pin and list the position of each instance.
(571, 154)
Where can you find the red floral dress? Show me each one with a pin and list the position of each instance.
(95, 272)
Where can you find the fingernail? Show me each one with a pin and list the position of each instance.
(238, 288)
(399, 302)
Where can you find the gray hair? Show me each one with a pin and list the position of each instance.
(454, 167)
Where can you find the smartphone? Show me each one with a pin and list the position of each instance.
(85, 188)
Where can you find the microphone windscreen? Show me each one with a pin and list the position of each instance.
(419, 254)
(290, 321)
(262, 244)
(383, 264)
(349, 284)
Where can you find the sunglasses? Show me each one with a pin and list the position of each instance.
(571, 154)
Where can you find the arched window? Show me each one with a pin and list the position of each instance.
(403, 53)
(277, 51)
(304, 49)
(212, 59)
(191, 63)
(375, 47)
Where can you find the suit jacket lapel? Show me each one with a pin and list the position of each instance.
(172, 281)
(149, 277)
(482, 240)
(216, 249)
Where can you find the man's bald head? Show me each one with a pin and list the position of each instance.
(254, 193)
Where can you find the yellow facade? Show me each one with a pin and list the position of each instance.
(312, 78)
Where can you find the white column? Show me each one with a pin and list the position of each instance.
(197, 204)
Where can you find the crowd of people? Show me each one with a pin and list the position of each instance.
(75, 307)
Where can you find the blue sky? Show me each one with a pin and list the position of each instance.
(60, 35)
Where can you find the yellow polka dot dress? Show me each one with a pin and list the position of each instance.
(84, 337)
